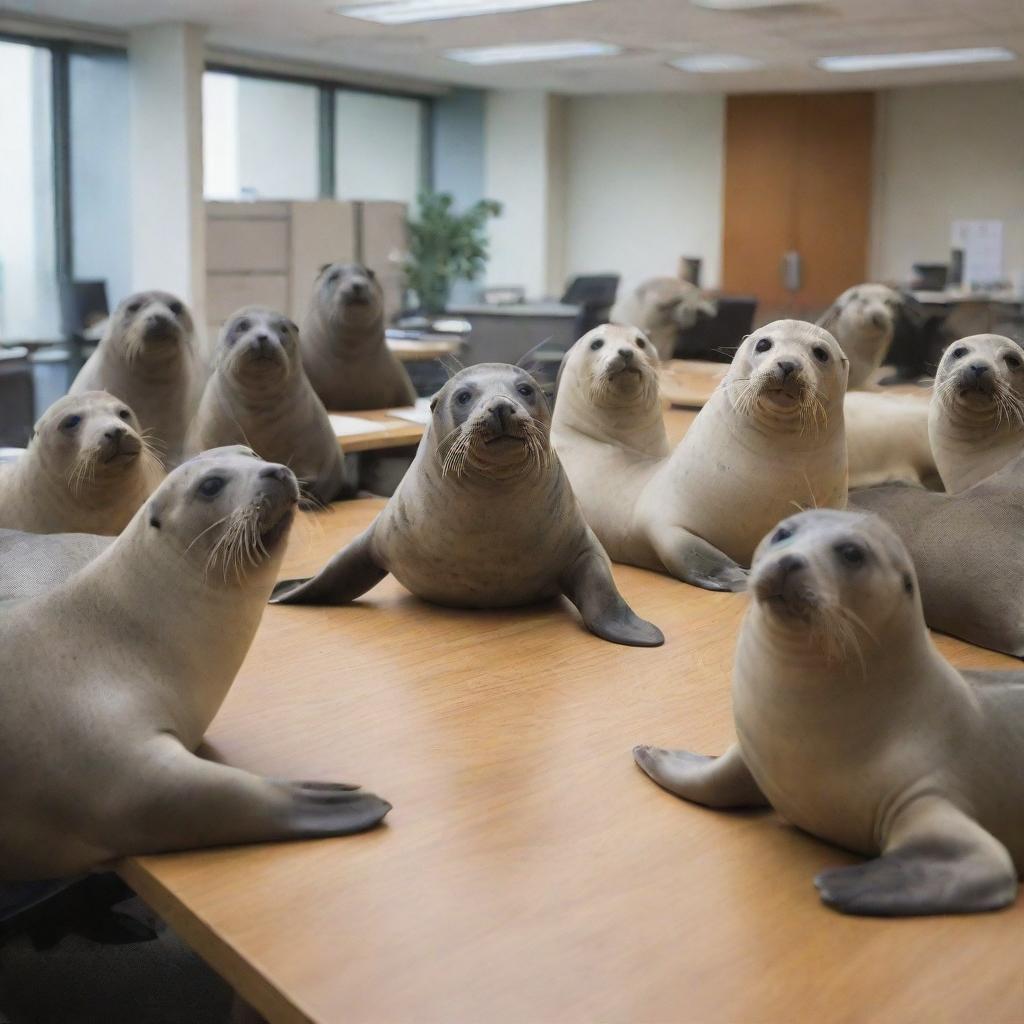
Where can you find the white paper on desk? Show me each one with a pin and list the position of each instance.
(418, 413)
(982, 244)
(346, 426)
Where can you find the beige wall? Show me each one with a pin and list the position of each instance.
(942, 153)
(644, 184)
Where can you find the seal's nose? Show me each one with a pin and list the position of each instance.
(627, 354)
(115, 433)
(789, 564)
(501, 412)
(275, 472)
(878, 319)
(978, 369)
(787, 366)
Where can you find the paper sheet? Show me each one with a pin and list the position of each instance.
(419, 413)
(346, 426)
(982, 244)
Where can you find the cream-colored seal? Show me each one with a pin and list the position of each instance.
(887, 439)
(976, 421)
(86, 470)
(661, 307)
(258, 395)
(854, 728)
(141, 646)
(484, 518)
(344, 350)
(769, 440)
(863, 320)
(147, 358)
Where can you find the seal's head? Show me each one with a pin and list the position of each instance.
(90, 440)
(150, 327)
(670, 301)
(980, 381)
(258, 348)
(491, 420)
(789, 374)
(833, 578)
(865, 309)
(615, 366)
(349, 293)
(225, 512)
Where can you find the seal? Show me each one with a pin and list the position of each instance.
(484, 518)
(770, 439)
(854, 728)
(127, 683)
(87, 469)
(147, 358)
(969, 552)
(32, 563)
(258, 395)
(343, 349)
(661, 307)
(863, 321)
(976, 419)
(887, 440)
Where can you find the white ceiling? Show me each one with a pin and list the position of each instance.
(651, 32)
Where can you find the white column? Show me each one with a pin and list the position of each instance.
(168, 219)
(524, 169)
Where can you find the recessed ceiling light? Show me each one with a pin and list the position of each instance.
(711, 62)
(401, 12)
(925, 59)
(748, 5)
(521, 54)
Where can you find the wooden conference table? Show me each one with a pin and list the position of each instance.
(528, 872)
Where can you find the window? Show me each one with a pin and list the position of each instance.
(29, 308)
(378, 143)
(260, 138)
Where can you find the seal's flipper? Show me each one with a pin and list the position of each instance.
(693, 560)
(712, 781)
(938, 861)
(348, 575)
(589, 585)
(183, 802)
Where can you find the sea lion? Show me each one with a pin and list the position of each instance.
(863, 320)
(662, 307)
(969, 552)
(854, 728)
(887, 439)
(976, 420)
(258, 394)
(484, 518)
(344, 352)
(770, 439)
(127, 682)
(147, 358)
(87, 469)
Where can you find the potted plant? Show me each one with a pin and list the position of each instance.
(445, 247)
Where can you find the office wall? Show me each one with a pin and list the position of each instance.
(946, 152)
(644, 180)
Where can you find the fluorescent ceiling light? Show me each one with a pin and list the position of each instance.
(926, 59)
(711, 62)
(401, 12)
(522, 53)
(748, 5)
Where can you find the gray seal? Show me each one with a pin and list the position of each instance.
(854, 728)
(344, 350)
(484, 518)
(863, 321)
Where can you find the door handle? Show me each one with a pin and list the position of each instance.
(792, 271)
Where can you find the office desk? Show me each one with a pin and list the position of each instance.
(390, 432)
(430, 346)
(529, 872)
(503, 334)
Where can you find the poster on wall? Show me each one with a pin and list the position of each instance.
(981, 242)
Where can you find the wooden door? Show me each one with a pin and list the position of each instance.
(797, 179)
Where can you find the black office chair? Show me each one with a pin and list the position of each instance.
(17, 398)
(717, 337)
(595, 296)
(83, 304)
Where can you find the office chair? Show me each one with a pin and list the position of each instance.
(595, 296)
(17, 397)
(82, 305)
(717, 337)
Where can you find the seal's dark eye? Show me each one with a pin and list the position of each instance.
(176, 308)
(70, 422)
(1012, 362)
(959, 353)
(125, 414)
(851, 554)
(242, 326)
(133, 307)
(525, 390)
(463, 397)
(597, 343)
(370, 274)
(781, 534)
(640, 343)
(333, 278)
(763, 345)
(820, 353)
(211, 486)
